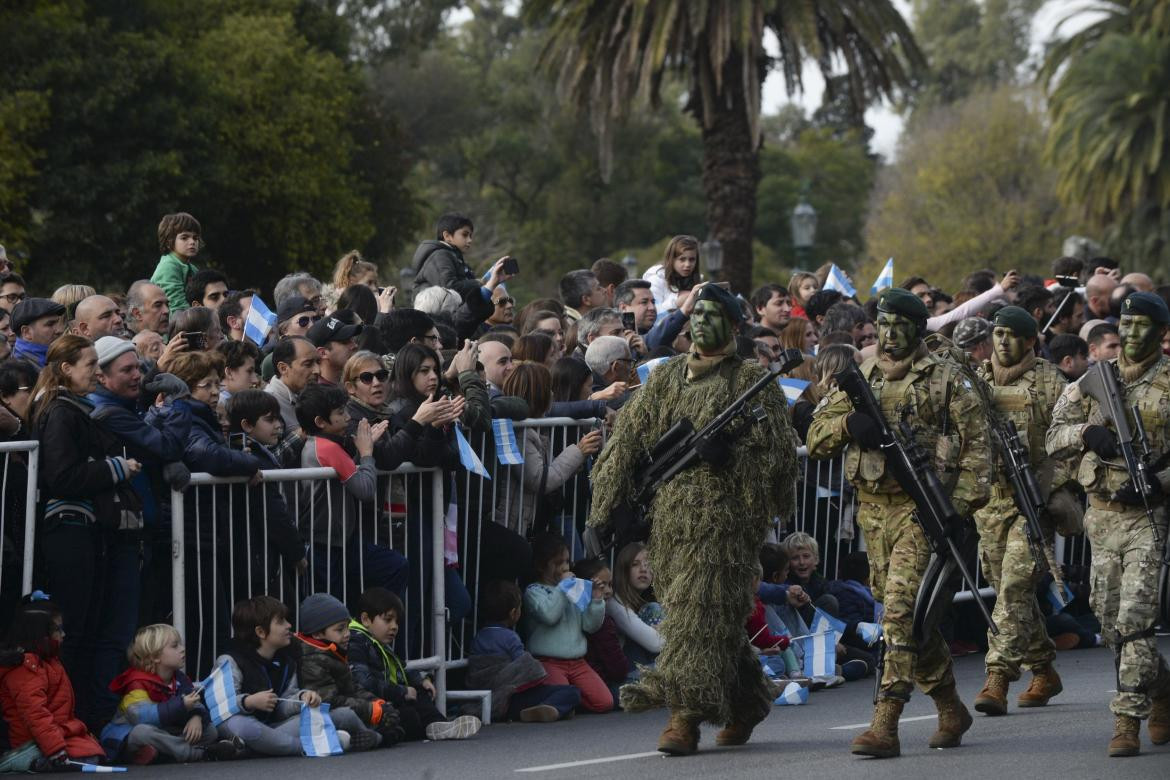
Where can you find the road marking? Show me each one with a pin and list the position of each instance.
(866, 724)
(571, 764)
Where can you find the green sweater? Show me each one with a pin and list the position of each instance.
(172, 274)
(553, 627)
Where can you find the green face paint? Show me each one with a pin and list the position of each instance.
(1140, 336)
(897, 335)
(710, 327)
(1010, 348)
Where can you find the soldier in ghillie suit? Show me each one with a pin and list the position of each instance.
(1126, 553)
(1025, 389)
(930, 393)
(709, 523)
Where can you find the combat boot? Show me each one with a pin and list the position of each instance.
(880, 740)
(738, 732)
(1126, 741)
(992, 700)
(953, 718)
(681, 736)
(1045, 684)
(1159, 723)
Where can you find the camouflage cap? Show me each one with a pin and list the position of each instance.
(971, 331)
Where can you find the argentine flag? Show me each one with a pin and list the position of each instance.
(467, 456)
(318, 734)
(95, 768)
(793, 694)
(824, 622)
(259, 322)
(219, 694)
(792, 388)
(578, 591)
(507, 451)
(836, 281)
(820, 654)
(645, 369)
(869, 632)
(885, 278)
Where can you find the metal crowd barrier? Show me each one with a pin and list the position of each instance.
(18, 513)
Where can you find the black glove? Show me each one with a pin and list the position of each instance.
(1129, 494)
(169, 385)
(1098, 439)
(864, 430)
(716, 451)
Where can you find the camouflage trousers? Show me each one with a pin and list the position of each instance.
(1008, 565)
(898, 555)
(1124, 597)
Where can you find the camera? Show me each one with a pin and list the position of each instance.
(628, 322)
(195, 340)
(511, 266)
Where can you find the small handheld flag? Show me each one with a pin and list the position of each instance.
(260, 321)
(219, 694)
(820, 654)
(836, 281)
(793, 694)
(467, 456)
(823, 621)
(507, 450)
(869, 632)
(885, 278)
(645, 369)
(792, 388)
(95, 768)
(318, 734)
(578, 591)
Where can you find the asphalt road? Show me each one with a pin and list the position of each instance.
(1065, 740)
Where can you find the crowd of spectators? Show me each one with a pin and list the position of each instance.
(130, 392)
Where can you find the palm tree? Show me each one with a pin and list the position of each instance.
(613, 53)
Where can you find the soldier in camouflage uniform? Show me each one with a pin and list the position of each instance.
(1126, 552)
(1025, 389)
(709, 523)
(940, 403)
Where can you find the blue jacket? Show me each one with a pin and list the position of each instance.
(497, 639)
(665, 330)
(856, 600)
(206, 449)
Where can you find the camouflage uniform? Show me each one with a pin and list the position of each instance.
(1126, 562)
(1006, 557)
(942, 407)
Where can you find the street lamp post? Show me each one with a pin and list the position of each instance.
(711, 255)
(804, 228)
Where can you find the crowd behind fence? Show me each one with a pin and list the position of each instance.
(220, 550)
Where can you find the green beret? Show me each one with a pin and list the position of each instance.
(716, 294)
(1148, 304)
(895, 300)
(1019, 320)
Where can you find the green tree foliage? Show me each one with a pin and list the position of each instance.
(230, 110)
(970, 189)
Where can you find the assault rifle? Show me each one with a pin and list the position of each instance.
(911, 466)
(1025, 488)
(1101, 384)
(678, 450)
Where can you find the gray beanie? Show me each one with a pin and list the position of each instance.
(320, 611)
(110, 348)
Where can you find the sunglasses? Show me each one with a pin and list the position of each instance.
(505, 301)
(307, 320)
(368, 377)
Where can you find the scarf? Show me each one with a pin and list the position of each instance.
(28, 350)
(1130, 371)
(1007, 375)
(893, 370)
(699, 366)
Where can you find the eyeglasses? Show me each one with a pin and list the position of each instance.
(308, 320)
(14, 297)
(505, 301)
(434, 339)
(368, 377)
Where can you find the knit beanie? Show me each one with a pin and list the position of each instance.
(320, 611)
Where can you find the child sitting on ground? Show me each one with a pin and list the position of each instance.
(803, 560)
(378, 670)
(555, 629)
(264, 675)
(498, 662)
(634, 611)
(160, 712)
(760, 635)
(324, 666)
(605, 652)
(37, 697)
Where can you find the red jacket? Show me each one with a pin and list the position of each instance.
(762, 636)
(37, 700)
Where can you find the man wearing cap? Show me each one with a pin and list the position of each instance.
(1127, 551)
(1024, 388)
(973, 336)
(936, 398)
(335, 342)
(37, 322)
(704, 558)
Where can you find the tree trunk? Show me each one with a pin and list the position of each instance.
(731, 173)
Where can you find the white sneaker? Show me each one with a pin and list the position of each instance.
(343, 738)
(461, 728)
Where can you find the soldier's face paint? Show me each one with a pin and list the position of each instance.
(1140, 336)
(897, 335)
(1010, 348)
(710, 327)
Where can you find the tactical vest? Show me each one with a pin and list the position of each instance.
(1030, 398)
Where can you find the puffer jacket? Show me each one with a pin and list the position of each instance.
(437, 263)
(38, 704)
(324, 668)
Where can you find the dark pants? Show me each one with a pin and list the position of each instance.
(564, 697)
(415, 716)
